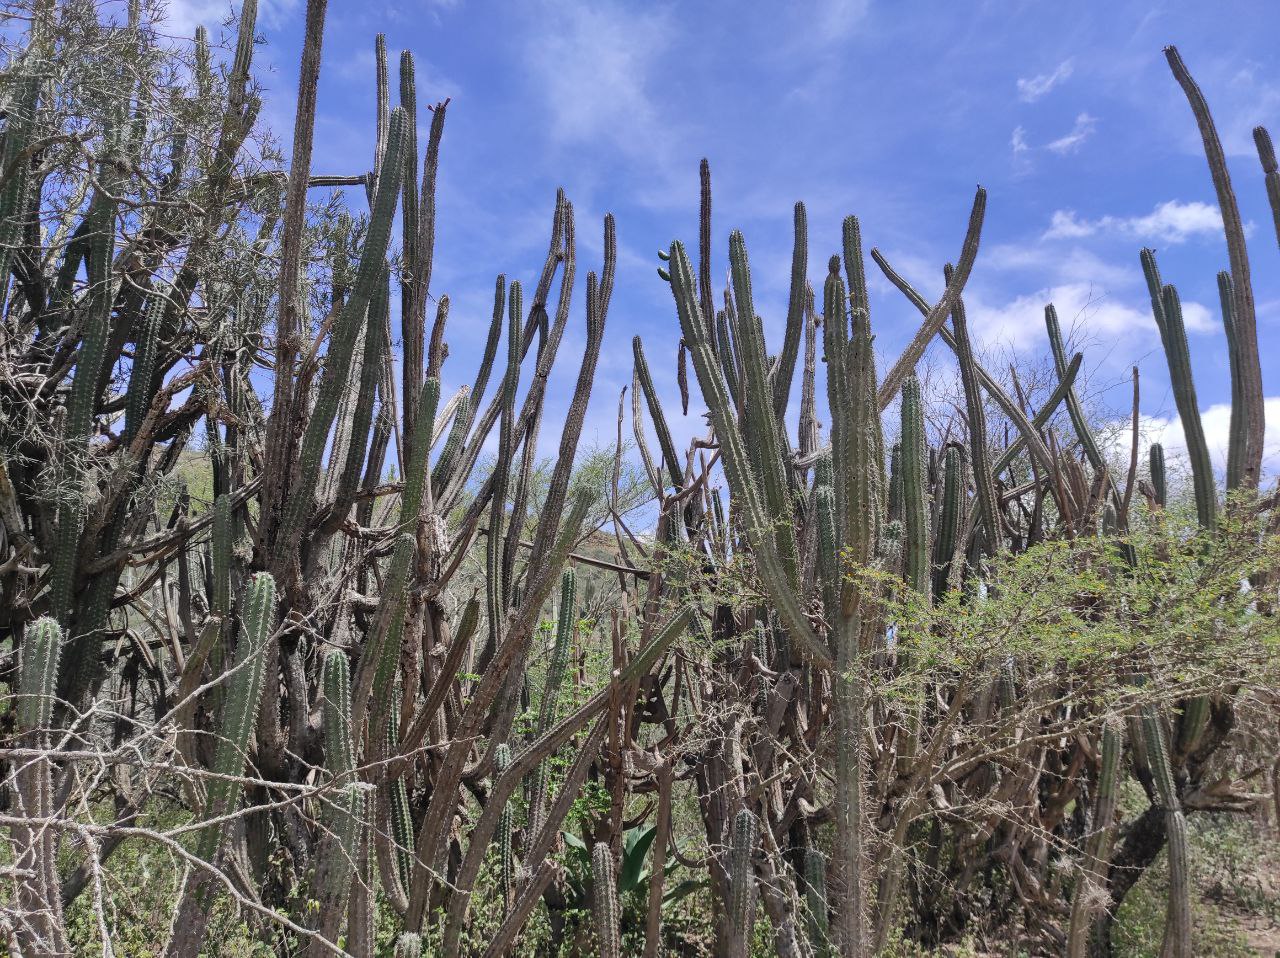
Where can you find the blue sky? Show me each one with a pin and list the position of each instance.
(1066, 113)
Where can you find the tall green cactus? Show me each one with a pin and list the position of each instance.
(506, 861)
(346, 329)
(1177, 930)
(950, 517)
(1097, 851)
(604, 902)
(915, 493)
(1159, 482)
(1167, 309)
(815, 900)
(556, 668)
(343, 810)
(40, 890)
(743, 836)
(238, 720)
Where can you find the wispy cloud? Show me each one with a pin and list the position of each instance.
(1084, 128)
(836, 18)
(1033, 88)
(592, 65)
(1018, 142)
(1170, 222)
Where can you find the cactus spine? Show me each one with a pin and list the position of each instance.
(605, 902)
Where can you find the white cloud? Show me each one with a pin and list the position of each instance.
(1092, 314)
(1170, 222)
(1033, 88)
(1217, 429)
(1083, 129)
(1019, 141)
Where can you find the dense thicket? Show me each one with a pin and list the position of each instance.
(267, 610)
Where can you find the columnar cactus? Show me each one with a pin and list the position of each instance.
(743, 837)
(915, 493)
(556, 668)
(238, 721)
(1167, 309)
(815, 899)
(604, 902)
(1091, 881)
(946, 555)
(344, 806)
(1177, 931)
(40, 894)
(346, 328)
(1159, 483)
(506, 861)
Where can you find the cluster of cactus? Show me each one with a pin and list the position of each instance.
(316, 636)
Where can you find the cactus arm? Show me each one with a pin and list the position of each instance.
(1159, 484)
(556, 668)
(239, 719)
(506, 861)
(668, 447)
(1167, 309)
(1270, 172)
(1236, 451)
(446, 470)
(983, 479)
(338, 361)
(937, 315)
(1244, 318)
(40, 890)
(795, 315)
(1027, 434)
(1177, 931)
(761, 429)
(915, 494)
(343, 808)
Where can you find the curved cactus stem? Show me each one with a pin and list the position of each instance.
(1249, 366)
